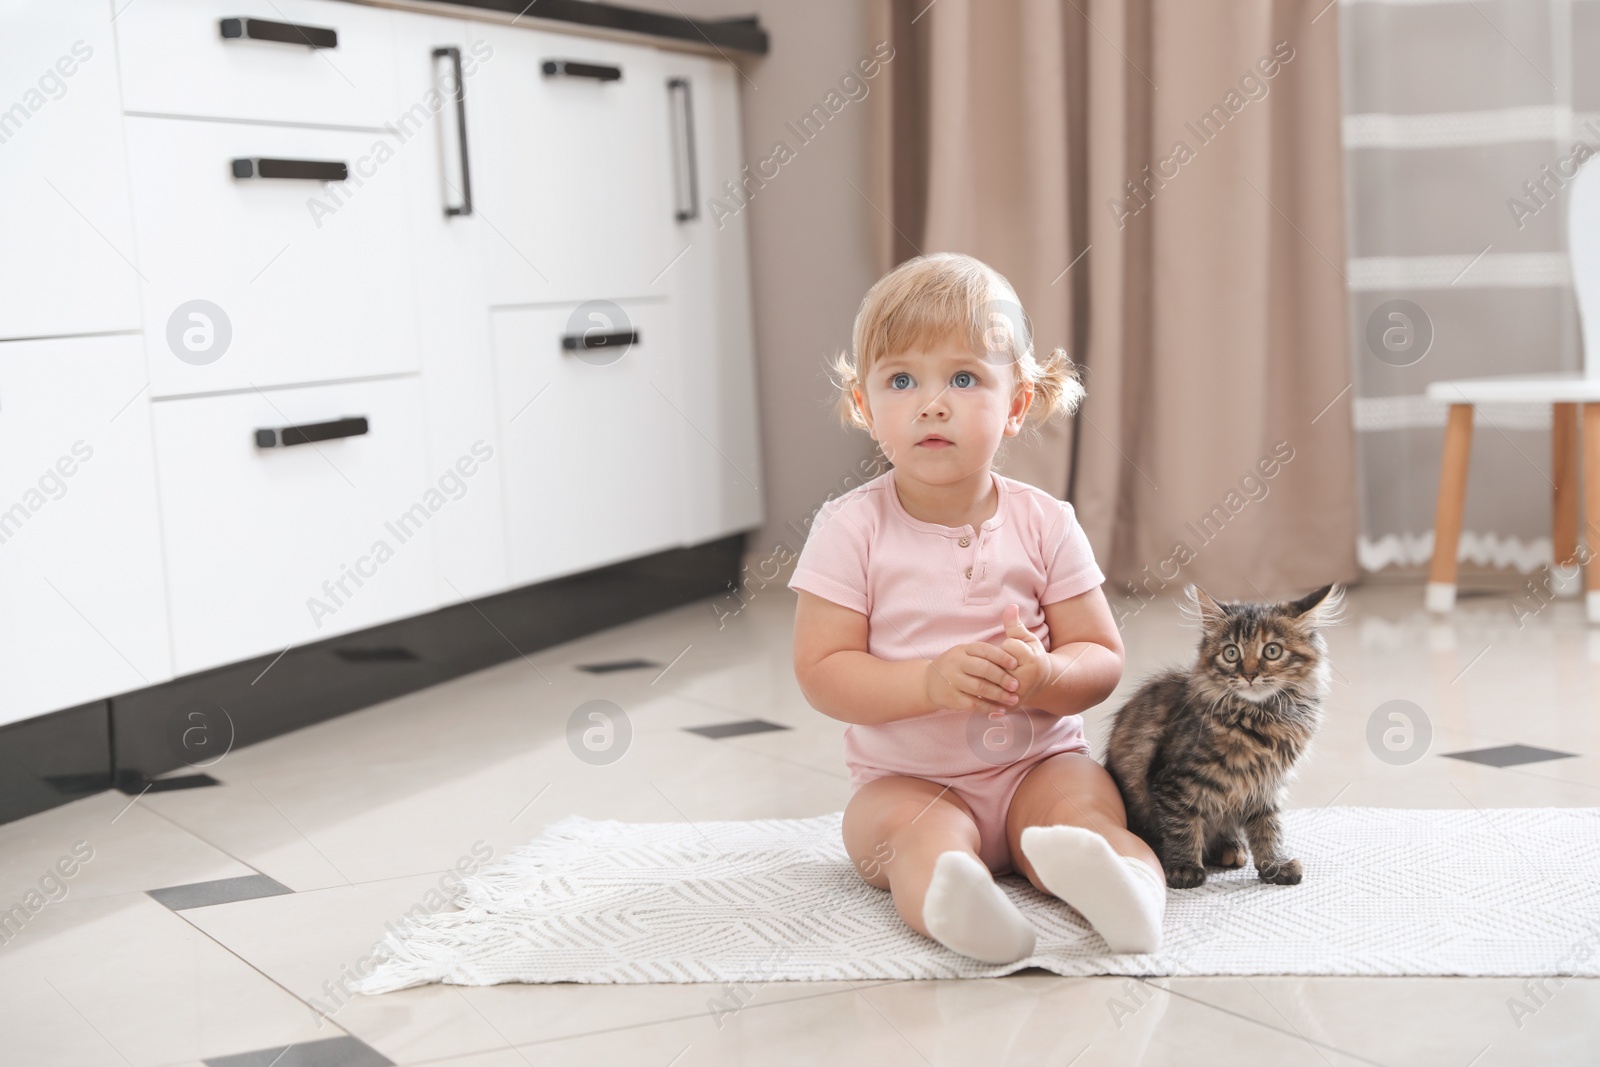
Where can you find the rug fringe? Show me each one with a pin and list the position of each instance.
(430, 953)
(430, 949)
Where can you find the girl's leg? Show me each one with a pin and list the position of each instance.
(919, 841)
(1068, 832)
(1072, 789)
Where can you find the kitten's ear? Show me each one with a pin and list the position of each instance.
(1201, 608)
(1321, 608)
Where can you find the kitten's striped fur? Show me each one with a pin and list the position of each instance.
(1203, 755)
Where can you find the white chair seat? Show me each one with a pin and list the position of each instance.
(1538, 388)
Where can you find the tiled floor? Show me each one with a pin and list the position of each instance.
(321, 836)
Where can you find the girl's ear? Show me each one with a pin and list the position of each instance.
(861, 406)
(1021, 401)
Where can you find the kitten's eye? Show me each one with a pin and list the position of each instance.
(900, 381)
(1231, 653)
(962, 379)
(1272, 650)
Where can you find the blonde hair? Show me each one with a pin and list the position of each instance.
(928, 300)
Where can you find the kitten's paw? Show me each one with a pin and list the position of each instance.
(1185, 875)
(1229, 856)
(1283, 872)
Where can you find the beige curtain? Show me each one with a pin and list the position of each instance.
(1162, 182)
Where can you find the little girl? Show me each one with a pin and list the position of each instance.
(953, 617)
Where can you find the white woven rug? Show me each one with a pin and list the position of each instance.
(1387, 891)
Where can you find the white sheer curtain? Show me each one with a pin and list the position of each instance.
(1462, 121)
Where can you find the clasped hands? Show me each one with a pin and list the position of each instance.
(979, 676)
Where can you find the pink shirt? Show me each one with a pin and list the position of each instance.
(925, 588)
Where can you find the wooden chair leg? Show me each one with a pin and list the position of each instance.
(1441, 594)
(1565, 573)
(1591, 507)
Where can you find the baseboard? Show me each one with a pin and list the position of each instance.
(54, 759)
(127, 740)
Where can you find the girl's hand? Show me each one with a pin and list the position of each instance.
(1035, 668)
(971, 677)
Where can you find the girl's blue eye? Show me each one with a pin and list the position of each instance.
(962, 379)
(900, 381)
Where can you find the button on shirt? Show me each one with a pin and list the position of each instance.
(925, 588)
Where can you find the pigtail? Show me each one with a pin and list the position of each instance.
(1056, 385)
(846, 380)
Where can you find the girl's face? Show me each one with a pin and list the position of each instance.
(940, 413)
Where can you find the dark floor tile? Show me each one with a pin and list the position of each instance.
(1509, 755)
(331, 1052)
(219, 891)
(618, 665)
(735, 729)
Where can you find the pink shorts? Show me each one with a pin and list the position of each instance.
(988, 790)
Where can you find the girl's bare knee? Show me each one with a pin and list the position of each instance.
(904, 819)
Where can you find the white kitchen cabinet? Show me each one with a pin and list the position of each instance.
(297, 401)
(310, 280)
(177, 61)
(66, 237)
(82, 607)
(710, 302)
(574, 175)
(272, 546)
(446, 237)
(592, 461)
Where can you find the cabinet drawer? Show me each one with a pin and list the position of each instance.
(312, 278)
(574, 168)
(268, 547)
(175, 61)
(82, 607)
(591, 444)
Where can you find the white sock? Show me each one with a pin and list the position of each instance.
(966, 912)
(1121, 897)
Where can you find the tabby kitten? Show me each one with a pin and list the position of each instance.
(1203, 755)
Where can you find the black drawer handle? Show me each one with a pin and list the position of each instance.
(573, 69)
(685, 156)
(282, 32)
(309, 169)
(453, 54)
(574, 341)
(283, 437)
